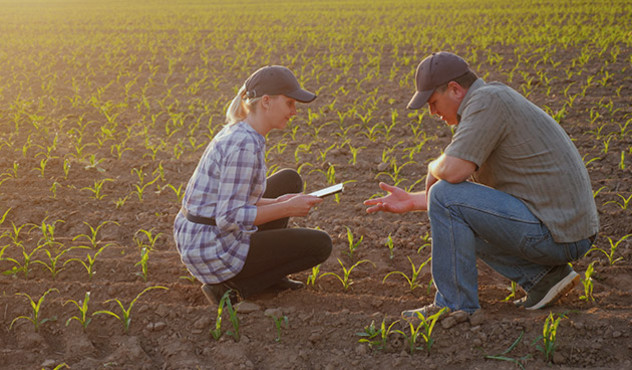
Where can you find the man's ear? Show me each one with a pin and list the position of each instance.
(457, 90)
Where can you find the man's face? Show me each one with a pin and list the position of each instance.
(445, 104)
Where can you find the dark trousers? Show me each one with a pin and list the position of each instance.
(276, 251)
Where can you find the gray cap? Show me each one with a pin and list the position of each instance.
(276, 80)
(434, 71)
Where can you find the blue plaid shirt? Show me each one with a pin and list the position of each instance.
(227, 183)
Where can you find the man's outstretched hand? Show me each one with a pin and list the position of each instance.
(397, 201)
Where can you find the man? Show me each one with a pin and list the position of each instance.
(528, 209)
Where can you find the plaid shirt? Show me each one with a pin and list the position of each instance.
(227, 183)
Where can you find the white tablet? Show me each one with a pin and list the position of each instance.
(328, 191)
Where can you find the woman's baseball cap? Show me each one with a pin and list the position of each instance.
(276, 80)
(435, 70)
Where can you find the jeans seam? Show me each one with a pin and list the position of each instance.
(468, 206)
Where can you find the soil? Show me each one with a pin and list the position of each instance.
(171, 328)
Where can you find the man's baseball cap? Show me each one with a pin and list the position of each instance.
(434, 71)
(276, 80)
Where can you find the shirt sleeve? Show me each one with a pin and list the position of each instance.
(481, 128)
(236, 184)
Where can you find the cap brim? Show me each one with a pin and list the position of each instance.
(302, 96)
(419, 99)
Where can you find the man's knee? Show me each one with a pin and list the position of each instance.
(440, 191)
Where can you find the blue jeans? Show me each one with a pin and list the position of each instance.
(470, 220)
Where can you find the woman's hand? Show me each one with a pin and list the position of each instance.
(397, 201)
(299, 204)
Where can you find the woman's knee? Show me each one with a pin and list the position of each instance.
(292, 179)
(322, 246)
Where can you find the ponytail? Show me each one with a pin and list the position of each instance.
(240, 106)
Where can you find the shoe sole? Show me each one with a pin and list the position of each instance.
(557, 291)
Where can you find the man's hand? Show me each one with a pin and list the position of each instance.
(397, 201)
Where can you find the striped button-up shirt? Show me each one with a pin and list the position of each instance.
(226, 185)
(522, 151)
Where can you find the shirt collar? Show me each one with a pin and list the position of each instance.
(477, 84)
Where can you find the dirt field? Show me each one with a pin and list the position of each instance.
(106, 108)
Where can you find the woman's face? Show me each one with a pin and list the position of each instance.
(281, 109)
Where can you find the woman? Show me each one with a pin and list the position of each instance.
(231, 230)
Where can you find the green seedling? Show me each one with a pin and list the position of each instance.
(426, 241)
(24, 265)
(36, 310)
(549, 336)
(503, 355)
(140, 188)
(225, 302)
(97, 188)
(53, 261)
(423, 329)
(376, 338)
(179, 192)
(88, 264)
(82, 306)
(311, 279)
(345, 279)
(389, 243)
(48, 233)
(352, 243)
(412, 280)
(587, 282)
(92, 236)
(144, 258)
(125, 316)
(613, 248)
(624, 201)
(151, 239)
(513, 288)
(278, 324)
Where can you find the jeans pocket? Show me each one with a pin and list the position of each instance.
(577, 250)
(536, 248)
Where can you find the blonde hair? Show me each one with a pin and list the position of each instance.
(240, 106)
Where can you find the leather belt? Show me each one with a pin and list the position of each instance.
(198, 219)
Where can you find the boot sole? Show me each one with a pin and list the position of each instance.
(557, 291)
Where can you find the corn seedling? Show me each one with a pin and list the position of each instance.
(279, 322)
(140, 188)
(613, 248)
(624, 201)
(125, 316)
(376, 338)
(36, 310)
(311, 279)
(345, 279)
(144, 268)
(503, 355)
(352, 243)
(587, 282)
(97, 188)
(389, 243)
(24, 265)
(216, 333)
(92, 235)
(426, 241)
(549, 336)
(88, 264)
(423, 329)
(513, 288)
(412, 280)
(82, 306)
(150, 243)
(53, 260)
